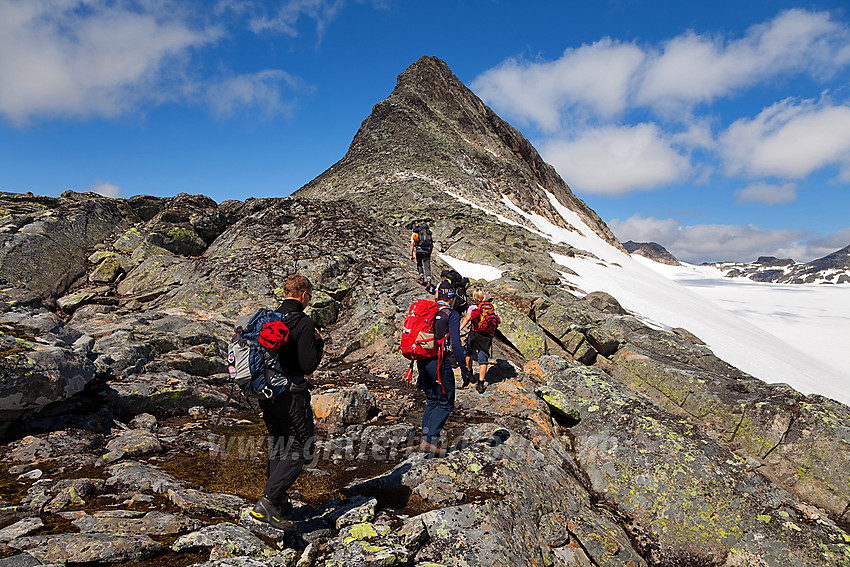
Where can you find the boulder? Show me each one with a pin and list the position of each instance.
(521, 331)
(87, 548)
(43, 364)
(56, 235)
(691, 499)
(127, 522)
(131, 443)
(225, 540)
(193, 501)
(349, 405)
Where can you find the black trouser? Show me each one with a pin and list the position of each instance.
(423, 265)
(289, 419)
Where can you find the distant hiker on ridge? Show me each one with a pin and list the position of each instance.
(289, 416)
(421, 245)
(484, 320)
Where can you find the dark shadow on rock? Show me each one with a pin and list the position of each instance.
(499, 371)
(387, 488)
(495, 439)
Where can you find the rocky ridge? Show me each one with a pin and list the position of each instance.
(833, 268)
(651, 250)
(599, 440)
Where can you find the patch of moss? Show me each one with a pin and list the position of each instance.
(169, 558)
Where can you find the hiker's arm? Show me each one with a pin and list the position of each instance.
(465, 321)
(310, 349)
(454, 335)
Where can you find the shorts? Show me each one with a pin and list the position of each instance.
(480, 344)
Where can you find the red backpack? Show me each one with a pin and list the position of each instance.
(487, 320)
(417, 335)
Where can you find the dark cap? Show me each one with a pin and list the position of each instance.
(445, 291)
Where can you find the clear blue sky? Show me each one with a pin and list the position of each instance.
(718, 129)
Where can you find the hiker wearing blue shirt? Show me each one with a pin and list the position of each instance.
(436, 377)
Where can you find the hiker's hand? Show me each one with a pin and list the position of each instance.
(318, 336)
(411, 258)
(466, 374)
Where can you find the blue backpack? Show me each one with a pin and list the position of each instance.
(252, 353)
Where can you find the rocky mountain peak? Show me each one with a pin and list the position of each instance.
(651, 250)
(432, 143)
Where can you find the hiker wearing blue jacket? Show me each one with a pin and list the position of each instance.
(289, 416)
(436, 377)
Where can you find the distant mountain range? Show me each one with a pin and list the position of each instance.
(831, 269)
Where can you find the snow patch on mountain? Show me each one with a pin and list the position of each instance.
(666, 304)
(472, 270)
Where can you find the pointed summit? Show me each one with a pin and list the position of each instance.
(432, 143)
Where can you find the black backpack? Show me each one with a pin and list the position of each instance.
(460, 284)
(426, 240)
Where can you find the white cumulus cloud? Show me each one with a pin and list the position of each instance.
(788, 139)
(592, 77)
(767, 193)
(609, 77)
(60, 58)
(286, 15)
(101, 58)
(615, 160)
(691, 68)
(718, 242)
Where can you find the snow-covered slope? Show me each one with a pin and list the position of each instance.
(809, 357)
(813, 317)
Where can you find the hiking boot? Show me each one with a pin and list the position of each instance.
(479, 386)
(420, 281)
(265, 511)
(429, 288)
(285, 506)
(435, 450)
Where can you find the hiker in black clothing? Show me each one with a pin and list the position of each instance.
(436, 377)
(422, 243)
(289, 416)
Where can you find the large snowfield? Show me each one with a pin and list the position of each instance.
(791, 333)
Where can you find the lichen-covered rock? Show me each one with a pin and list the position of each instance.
(42, 364)
(19, 529)
(128, 522)
(162, 394)
(80, 444)
(46, 496)
(87, 548)
(130, 443)
(346, 406)
(194, 501)
(521, 331)
(145, 421)
(55, 234)
(691, 499)
(225, 540)
(514, 487)
(358, 514)
(139, 476)
(798, 439)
